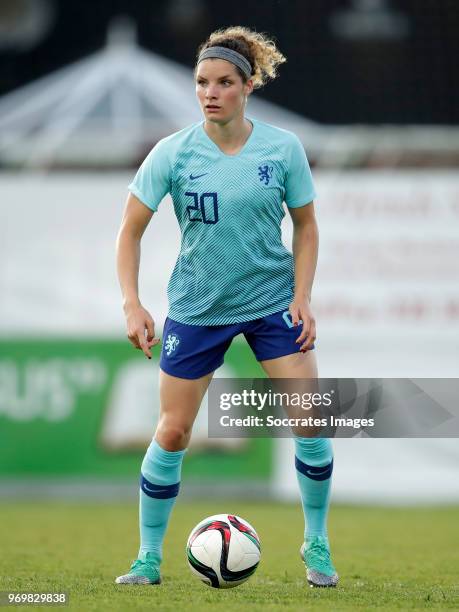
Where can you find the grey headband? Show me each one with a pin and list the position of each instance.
(230, 56)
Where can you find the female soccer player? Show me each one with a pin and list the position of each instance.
(228, 177)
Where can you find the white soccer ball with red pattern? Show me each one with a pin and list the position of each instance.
(223, 550)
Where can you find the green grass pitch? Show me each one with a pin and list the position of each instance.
(388, 559)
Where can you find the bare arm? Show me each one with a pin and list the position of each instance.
(305, 252)
(135, 220)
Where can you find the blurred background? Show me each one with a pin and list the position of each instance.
(86, 89)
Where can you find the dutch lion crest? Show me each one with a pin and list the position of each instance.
(171, 344)
(265, 173)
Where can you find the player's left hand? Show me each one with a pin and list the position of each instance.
(300, 310)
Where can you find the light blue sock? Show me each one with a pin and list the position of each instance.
(159, 487)
(314, 466)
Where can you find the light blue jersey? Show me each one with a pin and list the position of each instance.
(232, 266)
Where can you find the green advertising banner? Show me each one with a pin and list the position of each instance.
(89, 408)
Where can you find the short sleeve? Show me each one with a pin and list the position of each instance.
(152, 181)
(299, 186)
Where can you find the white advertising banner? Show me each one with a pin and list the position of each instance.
(386, 293)
(386, 300)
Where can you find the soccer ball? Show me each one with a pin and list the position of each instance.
(223, 550)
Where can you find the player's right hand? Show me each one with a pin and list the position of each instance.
(138, 322)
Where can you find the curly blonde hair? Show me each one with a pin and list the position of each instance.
(257, 48)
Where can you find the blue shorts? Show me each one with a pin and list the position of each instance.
(192, 351)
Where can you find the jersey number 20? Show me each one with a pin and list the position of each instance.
(204, 209)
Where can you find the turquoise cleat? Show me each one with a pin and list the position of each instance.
(315, 553)
(143, 571)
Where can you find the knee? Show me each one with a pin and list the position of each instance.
(306, 433)
(172, 436)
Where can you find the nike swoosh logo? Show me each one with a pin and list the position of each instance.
(197, 176)
(309, 473)
(155, 490)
